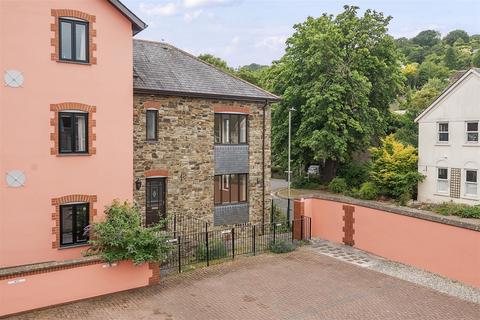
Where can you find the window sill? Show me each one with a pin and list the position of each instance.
(447, 195)
(442, 144)
(467, 197)
(74, 62)
(70, 246)
(73, 154)
(471, 145)
(230, 204)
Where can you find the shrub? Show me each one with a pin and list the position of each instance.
(281, 246)
(305, 182)
(121, 237)
(353, 172)
(216, 250)
(457, 209)
(394, 168)
(338, 185)
(367, 191)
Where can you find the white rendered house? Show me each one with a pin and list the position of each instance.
(448, 143)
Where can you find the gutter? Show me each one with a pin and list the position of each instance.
(204, 95)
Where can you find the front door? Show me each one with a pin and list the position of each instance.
(156, 200)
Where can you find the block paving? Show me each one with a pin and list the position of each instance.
(298, 285)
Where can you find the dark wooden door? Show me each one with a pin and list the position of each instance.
(156, 200)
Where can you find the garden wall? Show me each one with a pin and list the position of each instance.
(38, 286)
(443, 245)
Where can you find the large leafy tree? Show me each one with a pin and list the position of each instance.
(340, 74)
(427, 38)
(454, 35)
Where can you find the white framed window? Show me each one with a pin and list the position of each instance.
(471, 181)
(443, 135)
(471, 131)
(442, 180)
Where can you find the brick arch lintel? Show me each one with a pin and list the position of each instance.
(54, 27)
(156, 173)
(57, 202)
(65, 106)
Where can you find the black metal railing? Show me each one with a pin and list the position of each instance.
(178, 225)
(215, 245)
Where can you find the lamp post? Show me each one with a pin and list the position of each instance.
(289, 172)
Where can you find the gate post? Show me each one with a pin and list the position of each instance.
(253, 240)
(274, 232)
(206, 244)
(179, 255)
(233, 243)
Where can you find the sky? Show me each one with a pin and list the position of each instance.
(254, 31)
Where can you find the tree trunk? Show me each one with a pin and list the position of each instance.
(329, 170)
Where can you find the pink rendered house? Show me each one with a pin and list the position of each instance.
(66, 149)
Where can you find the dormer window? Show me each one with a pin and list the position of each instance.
(443, 132)
(472, 131)
(73, 40)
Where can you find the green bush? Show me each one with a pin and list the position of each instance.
(121, 237)
(367, 191)
(457, 209)
(394, 169)
(355, 173)
(305, 182)
(216, 250)
(338, 185)
(281, 246)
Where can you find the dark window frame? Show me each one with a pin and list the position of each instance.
(73, 28)
(74, 224)
(230, 189)
(155, 112)
(73, 115)
(239, 115)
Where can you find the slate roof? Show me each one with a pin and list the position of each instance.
(162, 68)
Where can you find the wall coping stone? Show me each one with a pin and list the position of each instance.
(36, 268)
(472, 224)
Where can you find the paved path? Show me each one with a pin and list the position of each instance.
(300, 285)
(277, 184)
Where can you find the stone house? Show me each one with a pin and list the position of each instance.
(448, 143)
(201, 139)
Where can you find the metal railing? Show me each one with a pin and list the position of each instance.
(191, 248)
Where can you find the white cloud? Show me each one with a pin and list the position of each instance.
(163, 10)
(232, 47)
(190, 16)
(271, 42)
(207, 3)
(191, 9)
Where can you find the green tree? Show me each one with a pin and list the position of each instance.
(427, 38)
(340, 74)
(429, 70)
(394, 168)
(476, 59)
(454, 35)
(451, 58)
(217, 62)
(407, 131)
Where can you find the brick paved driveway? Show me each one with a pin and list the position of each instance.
(300, 285)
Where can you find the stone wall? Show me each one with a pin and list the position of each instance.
(185, 149)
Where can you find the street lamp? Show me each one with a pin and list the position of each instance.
(289, 172)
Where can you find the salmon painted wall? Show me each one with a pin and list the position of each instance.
(26, 213)
(443, 249)
(46, 289)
